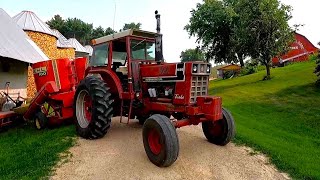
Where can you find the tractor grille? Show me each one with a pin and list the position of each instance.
(199, 87)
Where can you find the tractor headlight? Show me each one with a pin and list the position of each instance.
(195, 68)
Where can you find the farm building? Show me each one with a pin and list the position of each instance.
(300, 50)
(65, 49)
(17, 51)
(52, 43)
(228, 70)
(80, 50)
(89, 49)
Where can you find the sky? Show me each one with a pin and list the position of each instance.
(175, 15)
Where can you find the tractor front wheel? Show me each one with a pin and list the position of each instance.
(160, 140)
(220, 132)
(92, 108)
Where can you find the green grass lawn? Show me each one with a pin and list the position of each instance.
(279, 117)
(26, 153)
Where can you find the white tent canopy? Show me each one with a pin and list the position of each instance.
(15, 44)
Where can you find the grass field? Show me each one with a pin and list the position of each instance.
(26, 153)
(280, 117)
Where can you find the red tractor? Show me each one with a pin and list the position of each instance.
(126, 76)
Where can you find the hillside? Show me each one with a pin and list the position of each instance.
(279, 117)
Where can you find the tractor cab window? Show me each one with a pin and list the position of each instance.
(99, 55)
(142, 50)
(119, 52)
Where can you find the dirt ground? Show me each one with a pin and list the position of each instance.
(120, 155)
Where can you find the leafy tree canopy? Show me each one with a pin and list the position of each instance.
(192, 55)
(76, 28)
(131, 25)
(231, 30)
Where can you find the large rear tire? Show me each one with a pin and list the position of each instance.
(220, 132)
(92, 108)
(160, 140)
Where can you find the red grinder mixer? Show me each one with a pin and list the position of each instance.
(55, 82)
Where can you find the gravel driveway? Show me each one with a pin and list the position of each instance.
(120, 155)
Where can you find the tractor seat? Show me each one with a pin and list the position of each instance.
(123, 70)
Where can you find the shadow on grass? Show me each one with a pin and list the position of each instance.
(284, 125)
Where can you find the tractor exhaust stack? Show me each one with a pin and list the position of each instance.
(159, 53)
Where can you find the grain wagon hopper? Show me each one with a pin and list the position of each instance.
(55, 83)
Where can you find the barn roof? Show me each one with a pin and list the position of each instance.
(77, 45)
(230, 66)
(89, 49)
(306, 40)
(15, 44)
(29, 21)
(62, 41)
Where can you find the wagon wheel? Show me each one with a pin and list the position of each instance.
(220, 132)
(40, 121)
(160, 140)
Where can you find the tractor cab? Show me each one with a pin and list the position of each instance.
(123, 52)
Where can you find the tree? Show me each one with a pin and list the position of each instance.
(231, 30)
(57, 23)
(131, 26)
(76, 28)
(263, 26)
(317, 71)
(192, 55)
(109, 31)
(97, 32)
(212, 23)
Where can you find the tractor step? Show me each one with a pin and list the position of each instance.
(126, 110)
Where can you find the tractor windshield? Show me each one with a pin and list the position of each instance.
(142, 50)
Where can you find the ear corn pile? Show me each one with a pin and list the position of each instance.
(48, 45)
(66, 53)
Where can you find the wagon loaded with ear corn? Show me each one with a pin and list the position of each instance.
(55, 83)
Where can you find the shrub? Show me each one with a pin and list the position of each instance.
(250, 67)
(314, 57)
(317, 72)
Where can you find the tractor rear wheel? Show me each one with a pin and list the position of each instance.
(220, 132)
(92, 108)
(160, 140)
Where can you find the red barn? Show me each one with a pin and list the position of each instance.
(299, 51)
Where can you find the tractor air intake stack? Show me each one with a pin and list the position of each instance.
(159, 55)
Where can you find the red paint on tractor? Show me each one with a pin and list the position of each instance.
(154, 142)
(55, 82)
(87, 107)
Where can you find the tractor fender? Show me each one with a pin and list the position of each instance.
(110, 78)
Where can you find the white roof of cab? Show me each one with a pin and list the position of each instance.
(122, 34)
(15, 44)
